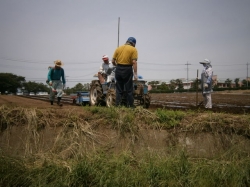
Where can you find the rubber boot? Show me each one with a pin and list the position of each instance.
(59, 101)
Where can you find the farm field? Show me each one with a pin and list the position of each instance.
(226, 101)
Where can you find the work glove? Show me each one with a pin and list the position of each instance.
(50, 83)
(135, 76)
(205, 85)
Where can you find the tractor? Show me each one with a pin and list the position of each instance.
(105, 94)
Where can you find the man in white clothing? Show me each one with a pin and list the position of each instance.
(102, 76)
(206, 82)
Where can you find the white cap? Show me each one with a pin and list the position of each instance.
(205, 61)
(105, 57)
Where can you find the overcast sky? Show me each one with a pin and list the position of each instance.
(169, 34)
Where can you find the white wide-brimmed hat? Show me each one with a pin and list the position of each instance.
(58, 63)
(205, 61)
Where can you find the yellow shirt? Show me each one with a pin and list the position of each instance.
(125, 54)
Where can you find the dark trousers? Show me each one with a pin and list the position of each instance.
(124, 84)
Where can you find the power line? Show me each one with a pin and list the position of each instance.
(44, 62)
(90, 62)
(27, 61)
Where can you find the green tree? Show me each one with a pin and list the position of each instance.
(154, 84)
(78, 87)
(245, 83)
(179, 84)
(196, 84)
(172, 84)
(68, 91)
(10, 82)
(163, 86)
(35, 87)
(237, 80)
(228, 82)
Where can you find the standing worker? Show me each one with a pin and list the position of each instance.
(56, 79)
(125, 59)
(206, 83)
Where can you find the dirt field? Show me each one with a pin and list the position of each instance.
(227, 101)
(27, 102)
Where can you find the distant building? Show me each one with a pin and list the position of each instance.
(19, 91)
(187, 84)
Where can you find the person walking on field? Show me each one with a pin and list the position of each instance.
(125, 59)
(56, 80)
(206, 83)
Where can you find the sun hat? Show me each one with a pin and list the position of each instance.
(58, 63)
(105, 57)
(205, 61)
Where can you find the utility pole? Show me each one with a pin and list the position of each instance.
(187, 71)
(247, 75)
(118, 30)
(197, 87)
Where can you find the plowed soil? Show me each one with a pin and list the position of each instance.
(227, 101)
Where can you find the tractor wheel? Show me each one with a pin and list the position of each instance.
(147, 100)
(95, 93)
(111, 98)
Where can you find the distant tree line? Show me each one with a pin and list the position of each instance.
(9, 83)
(76, 88)
(176, 85)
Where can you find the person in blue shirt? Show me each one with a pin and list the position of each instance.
(56, 80)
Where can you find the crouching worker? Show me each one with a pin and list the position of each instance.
(79, 98)
(56, 79)
(102, 76)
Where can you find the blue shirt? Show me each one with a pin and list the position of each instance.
(56, 74)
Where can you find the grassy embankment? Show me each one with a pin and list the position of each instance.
(79, 156)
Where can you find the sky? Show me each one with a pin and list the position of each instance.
(173, 36)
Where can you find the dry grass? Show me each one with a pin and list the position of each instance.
(73, 134)
(72, 148)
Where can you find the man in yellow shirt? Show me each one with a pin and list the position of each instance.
(125, 58)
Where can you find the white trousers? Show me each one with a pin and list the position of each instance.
(207, 100)
(58, 86)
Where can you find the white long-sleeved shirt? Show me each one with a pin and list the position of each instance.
(104, 67)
